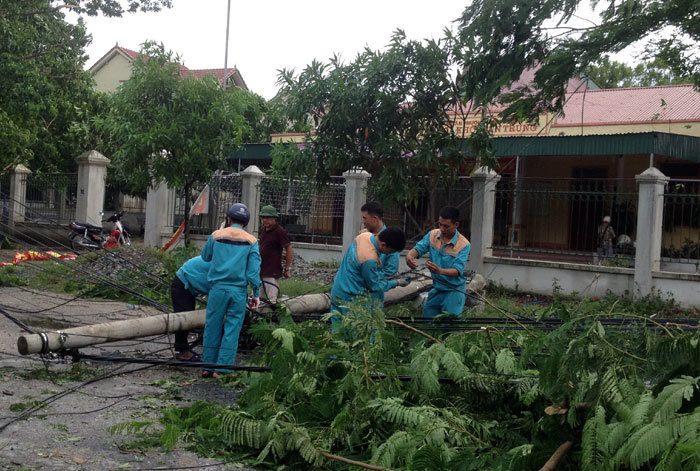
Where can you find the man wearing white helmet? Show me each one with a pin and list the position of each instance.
(606, 234)
(235, 264)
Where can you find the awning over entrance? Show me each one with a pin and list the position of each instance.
(658, 143)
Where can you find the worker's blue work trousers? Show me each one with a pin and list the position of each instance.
(438, 302)
(338, 311)
(225, 314)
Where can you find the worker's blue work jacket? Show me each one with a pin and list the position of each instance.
(236, 260)
(453, 254)
(193, 275)
(360, 272)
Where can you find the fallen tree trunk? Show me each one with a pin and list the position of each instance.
(84, 336)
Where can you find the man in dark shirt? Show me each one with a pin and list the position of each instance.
(273, 239)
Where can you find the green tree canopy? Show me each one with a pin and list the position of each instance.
(613, 74)
(162, 127)
(46, 95)
(498, 39)
(385, 112)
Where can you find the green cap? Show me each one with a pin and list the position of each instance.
(268, 212)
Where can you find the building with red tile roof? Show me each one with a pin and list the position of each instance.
(114, 68)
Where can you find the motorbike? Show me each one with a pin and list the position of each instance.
(88, 236)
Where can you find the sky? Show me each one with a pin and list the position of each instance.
(268, 35)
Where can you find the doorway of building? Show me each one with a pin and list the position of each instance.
(587, 207)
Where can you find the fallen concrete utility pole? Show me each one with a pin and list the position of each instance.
(84, 336)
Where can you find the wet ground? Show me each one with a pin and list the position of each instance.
(71, 431)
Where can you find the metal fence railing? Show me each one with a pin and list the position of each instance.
(4, 202)
(417, 219)
(5, 184)
(680, 240)
(224, 190)
(308, 213)
(51, 197)
(561, 219)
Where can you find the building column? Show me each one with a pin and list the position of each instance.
(355, 197)
(251, 178)
(649, 228)
(483, 211)
(92, 173)
(18, 195)
(160, 204)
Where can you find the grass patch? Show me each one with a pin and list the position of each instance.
(293, 287)
(137, 269)
(9, 276)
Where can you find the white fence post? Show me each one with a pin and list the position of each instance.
(355, 198)
(251, 178)
(649, 228)
(18, 195)
(160, 203)
(483, 208)
(92, 172)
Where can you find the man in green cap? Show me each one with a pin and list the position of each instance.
(272, 240)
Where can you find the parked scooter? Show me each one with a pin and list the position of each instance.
(87, 236)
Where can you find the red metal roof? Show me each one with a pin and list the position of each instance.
(526, 79)
(674, 103)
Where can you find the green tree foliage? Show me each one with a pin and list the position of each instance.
(44, 86)
(276, 119)
(385, 112)
(499, 39)
(46, 96)
(613, 74)
(626, 399)
(162, 127)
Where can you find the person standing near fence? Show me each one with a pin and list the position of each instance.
(189, 282)
(235, 264)
(606, 234)
(448, 251)
(273, 240)
(360, 272)
(372, 219)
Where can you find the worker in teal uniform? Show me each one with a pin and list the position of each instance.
(360, 273)
(189, 282)
(449, 251)
(235, 264)
(372, 219)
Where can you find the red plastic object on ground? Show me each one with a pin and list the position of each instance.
(31, 255)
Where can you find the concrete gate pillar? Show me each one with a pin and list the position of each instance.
(18, 195)
(355, 197)
(92, 173)
(483, 208)
(251, 178)
(160, 204)
(649, 228)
